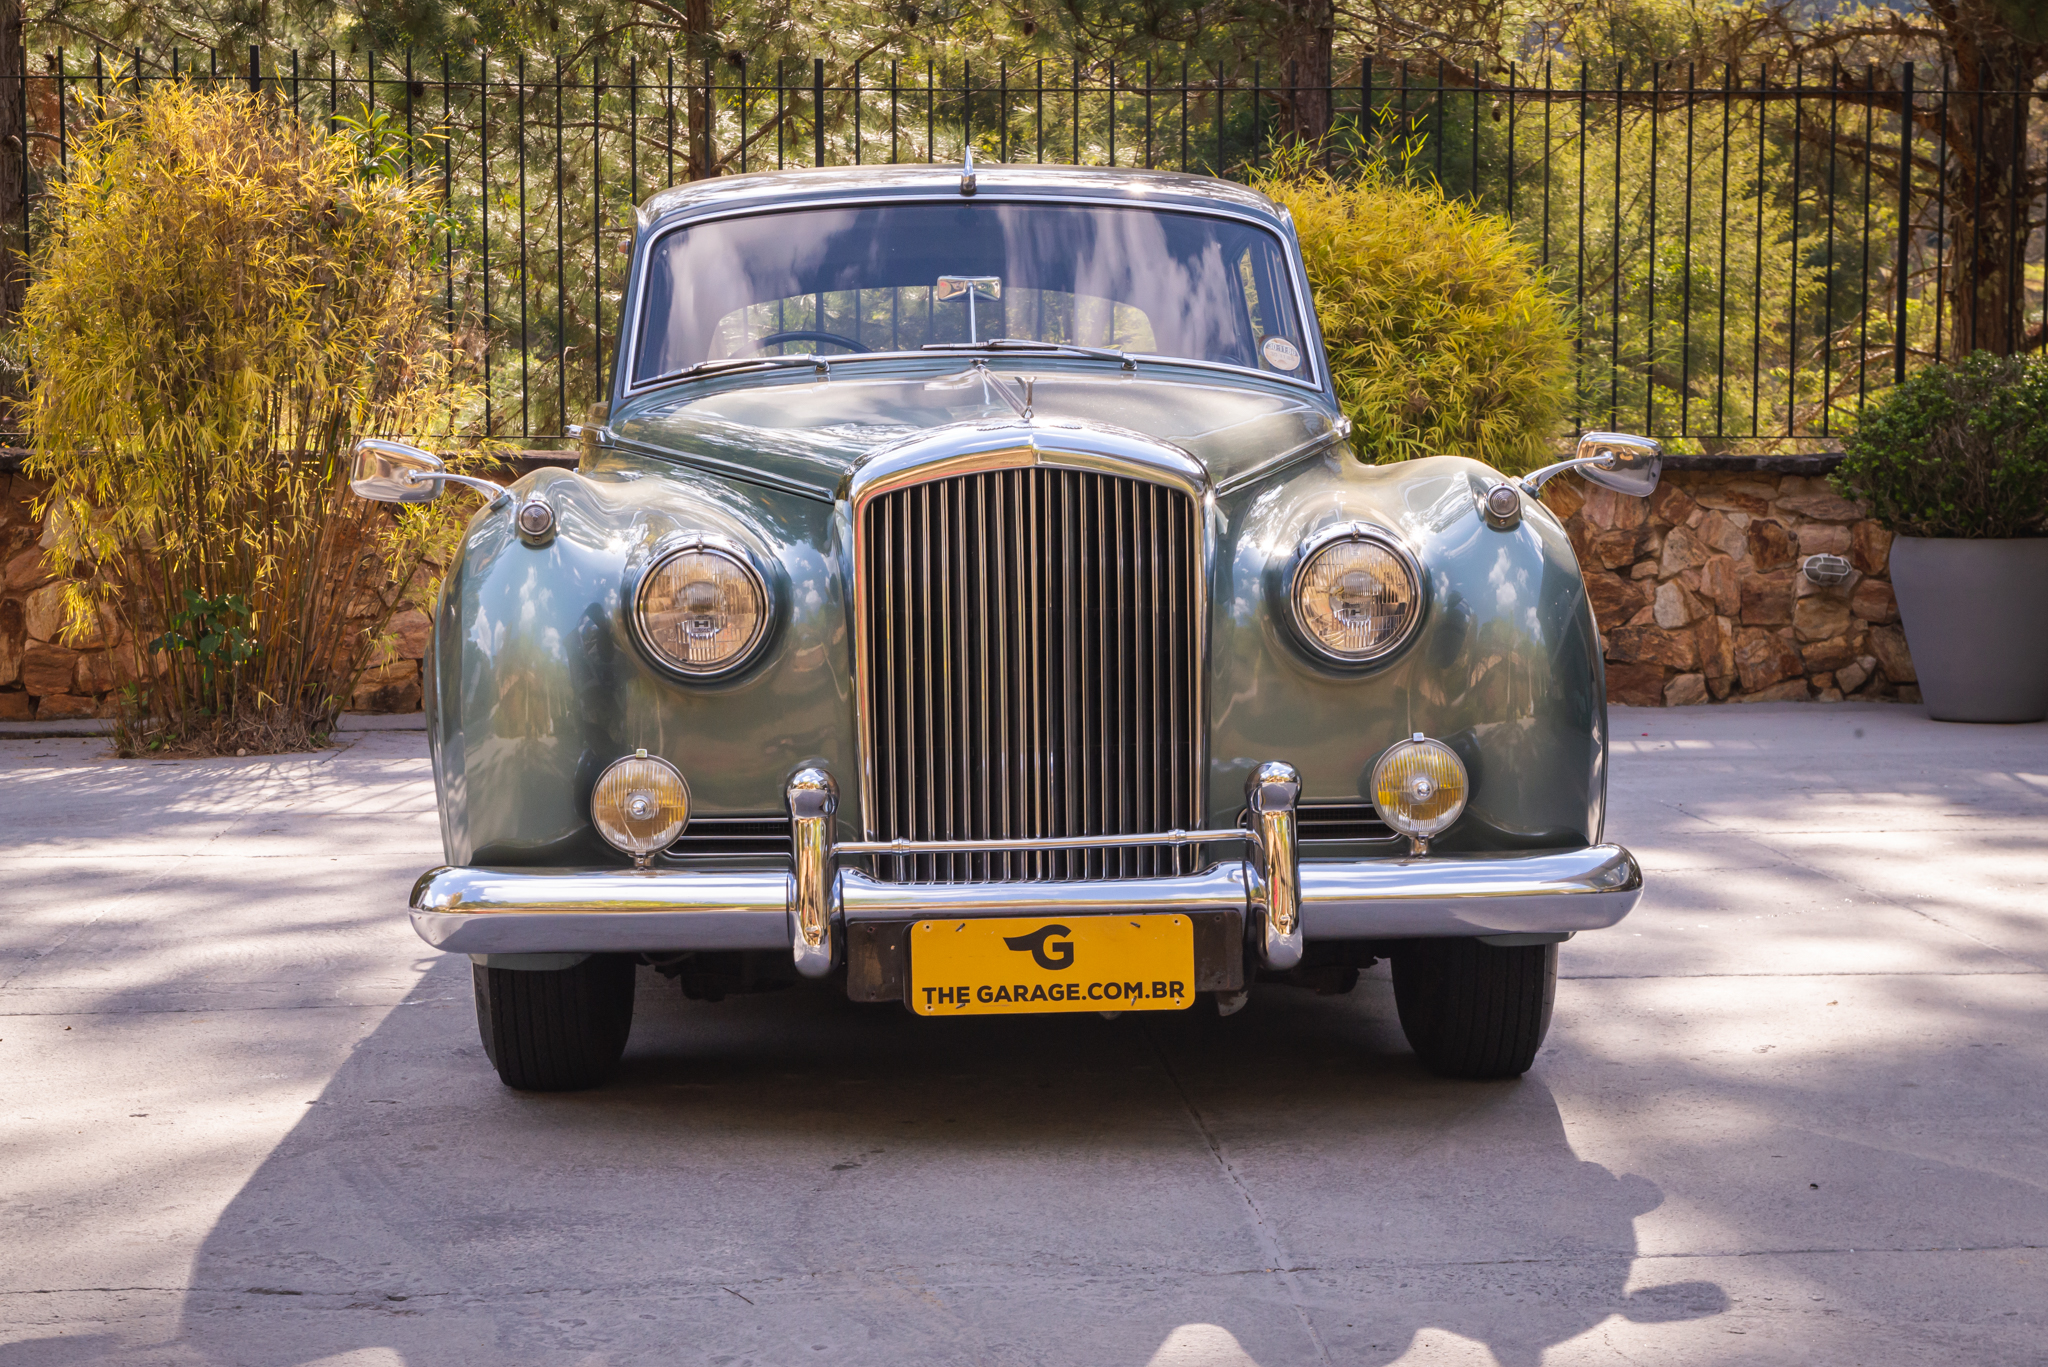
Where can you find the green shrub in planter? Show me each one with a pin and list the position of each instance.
(1955, 461)
(1956, 451)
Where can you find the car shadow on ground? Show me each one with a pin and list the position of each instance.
(791, 1177)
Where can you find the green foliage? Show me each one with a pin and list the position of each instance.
(216, 632)
(224, 302)
(1442, 336)
(1957, 450)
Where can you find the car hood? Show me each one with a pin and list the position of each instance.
(811, 434)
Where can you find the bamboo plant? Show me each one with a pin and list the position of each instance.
(225, 300)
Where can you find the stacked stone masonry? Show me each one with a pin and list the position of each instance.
(1698, 592)
(1700, 595)
(47, 676)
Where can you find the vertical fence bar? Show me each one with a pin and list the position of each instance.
(857, 157)
(483, 162)
(1906, 221)
(1614, 335)
(519, 129)
(1579, 279)
(1940, 215)
(1511, 142)
(1721, 244)
(1792, 310)
(1827, 301)
(448, 224)
(1756, 314)
(1685, 326)
(1863, 273)
(596, 236)
(2015, 239)
(1650, 293)
(1546, 163)
(817, 111)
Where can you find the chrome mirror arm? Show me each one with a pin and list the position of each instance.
(491, 487)
(1533, 482)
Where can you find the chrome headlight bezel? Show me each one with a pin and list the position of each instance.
(1305, 555)
(735, 556)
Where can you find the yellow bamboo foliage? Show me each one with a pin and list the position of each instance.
(224, 301)
(1441, 334)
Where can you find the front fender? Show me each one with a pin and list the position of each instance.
(1505, 667)
(537, 684)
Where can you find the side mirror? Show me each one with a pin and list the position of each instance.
(1632, 466)
(1613, 460)
(392, 472)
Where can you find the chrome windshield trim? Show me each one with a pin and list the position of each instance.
(629, 338)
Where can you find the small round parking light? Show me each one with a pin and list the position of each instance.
(1420, 788)
(640, 805)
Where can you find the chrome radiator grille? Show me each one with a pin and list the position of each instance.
(1033, 643)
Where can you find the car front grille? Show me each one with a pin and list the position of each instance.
(1033, 653)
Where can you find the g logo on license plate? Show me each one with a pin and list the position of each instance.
(1055, 955)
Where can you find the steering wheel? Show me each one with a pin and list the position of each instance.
(807, 335)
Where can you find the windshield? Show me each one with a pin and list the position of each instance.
(899, 277)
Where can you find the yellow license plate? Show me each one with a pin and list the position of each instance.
(1031, 964)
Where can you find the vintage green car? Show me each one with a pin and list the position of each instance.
(970, 595)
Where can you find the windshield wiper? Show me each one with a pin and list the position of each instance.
(729, 363)
(1122, 358)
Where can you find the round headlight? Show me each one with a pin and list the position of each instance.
(1356, 596)
(640, 805)
(702, 610)
(1419, 787)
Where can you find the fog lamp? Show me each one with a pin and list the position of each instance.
(702, 609)
(1356, 597)
(640, 805)
(1420, 788)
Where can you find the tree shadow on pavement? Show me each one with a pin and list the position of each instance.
(793, 1178)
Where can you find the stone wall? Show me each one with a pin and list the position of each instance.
(1700, 596)
(45, 679)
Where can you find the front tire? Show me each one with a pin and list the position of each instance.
(555, 1030)
(1473, 1010)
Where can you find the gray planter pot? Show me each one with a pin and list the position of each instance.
(1976, 619)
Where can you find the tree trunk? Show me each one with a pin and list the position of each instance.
(1306, 35)
(1989, 198)
(13, 164)
(700, 41)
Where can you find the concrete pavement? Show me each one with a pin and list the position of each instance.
(1790, 1111)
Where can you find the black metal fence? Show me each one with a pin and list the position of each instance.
(1748, 254)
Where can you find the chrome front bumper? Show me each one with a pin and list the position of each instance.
(1285, 900)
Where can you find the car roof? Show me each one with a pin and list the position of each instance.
(815, 186)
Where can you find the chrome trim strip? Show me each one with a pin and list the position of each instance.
(813, 801)
(1057, 842)
(539, 911)
(1269, 796)
(1314, 446)
(868, 899)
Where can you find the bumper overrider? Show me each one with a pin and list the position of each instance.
(811, 911)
